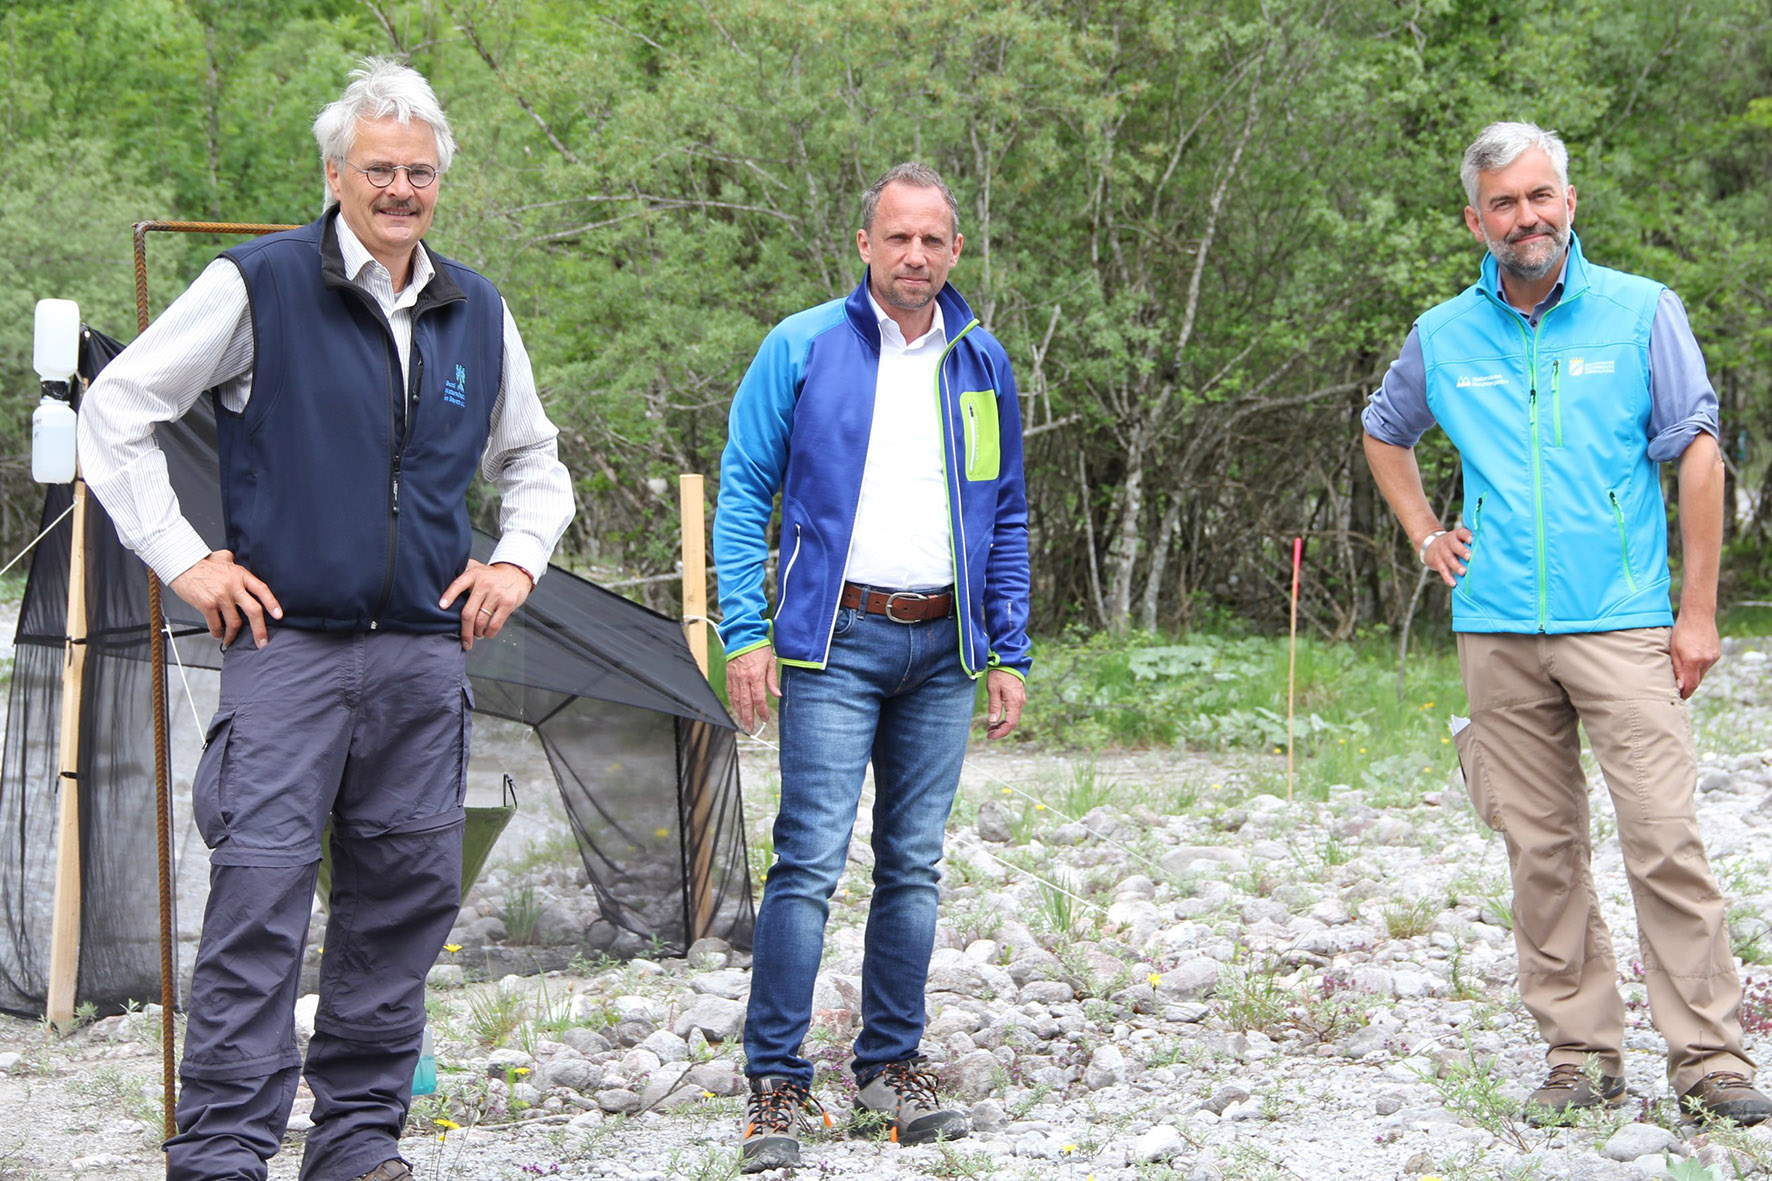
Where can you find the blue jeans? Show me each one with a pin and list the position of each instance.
(894, 693)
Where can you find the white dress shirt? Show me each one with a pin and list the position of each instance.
(204, 341)
(901, 539)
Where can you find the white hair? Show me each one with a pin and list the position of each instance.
(1500, 144)
(381, 88)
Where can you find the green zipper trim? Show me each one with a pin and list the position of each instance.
(1531, 343)
(1623, 541)
(1557, 397)
(1476, 533)
(953, 547)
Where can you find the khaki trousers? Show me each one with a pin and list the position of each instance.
(1522, 762)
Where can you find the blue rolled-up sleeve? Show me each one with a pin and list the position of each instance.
(1397, 412)
(1682, 401)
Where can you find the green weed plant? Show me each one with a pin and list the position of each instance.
(1218, 693)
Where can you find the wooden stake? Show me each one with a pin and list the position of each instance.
(700, 805)
(1292, 659)
(695, 566)
(64, 939)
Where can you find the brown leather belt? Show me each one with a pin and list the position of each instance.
(899, 606)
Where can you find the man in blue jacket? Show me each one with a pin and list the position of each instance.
(888, 422)
(361, 380)
(1563, 384)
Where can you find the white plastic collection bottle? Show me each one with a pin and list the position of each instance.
(52, 442)
(55, 357)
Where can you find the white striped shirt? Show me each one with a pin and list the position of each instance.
(204, 341)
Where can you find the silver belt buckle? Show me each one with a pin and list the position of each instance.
(913, 596)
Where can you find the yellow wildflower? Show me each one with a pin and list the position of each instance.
(1154, 979)
(661, 833)
(447, 1125)
(452, 948)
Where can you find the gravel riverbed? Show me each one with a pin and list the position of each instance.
(1193, 979)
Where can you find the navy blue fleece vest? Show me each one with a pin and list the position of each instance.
(344, 490)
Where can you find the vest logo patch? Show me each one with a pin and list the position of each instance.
(1580, 367)
(1468, 383)
(455, 389)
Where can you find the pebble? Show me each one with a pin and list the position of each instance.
(1636, 1140)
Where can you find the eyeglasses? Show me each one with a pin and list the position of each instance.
(419, 176)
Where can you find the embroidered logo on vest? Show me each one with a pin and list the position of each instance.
(455, 390)
(1578, 367)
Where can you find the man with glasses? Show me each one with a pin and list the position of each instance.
(360, 381)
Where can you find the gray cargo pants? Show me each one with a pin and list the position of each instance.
(371, 731)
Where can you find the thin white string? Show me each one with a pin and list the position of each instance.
(32, 544)
(183, 680)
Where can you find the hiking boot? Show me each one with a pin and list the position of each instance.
(778, 1108)
(1725, 1094)
(902, 1098)
(388, 1170)
(1569, 1089)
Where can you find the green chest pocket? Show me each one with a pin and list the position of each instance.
(978, 418)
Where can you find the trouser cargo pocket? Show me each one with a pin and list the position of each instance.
(1469, 743)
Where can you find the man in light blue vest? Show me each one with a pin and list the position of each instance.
(1563, 385)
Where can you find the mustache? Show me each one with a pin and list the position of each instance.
(395, 206)
(1525, 232)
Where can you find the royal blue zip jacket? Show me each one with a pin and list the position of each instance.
(1552, 423)
(344, 487)
(800, 424)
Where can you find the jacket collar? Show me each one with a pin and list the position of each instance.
(1574, 279)
(955, 312)
(442, 289)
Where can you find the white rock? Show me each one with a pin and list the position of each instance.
(573, 1073)
(982, 951)
(9, 1061)
(1653, 1168)
(100, 1162)
(664, 1080)
(617, 1100)
(509, 1059)
(1185, 858)
(1159, 1144)
(1248, 1109)
(1190, 980)
(1259, 1045)
(719, 1019)
(639, 1008)
(1412, 984)
(1107, 1068)
(667, 1045)
(973, 1075)
(305, 1008)
(733, 984)
(988, 1116)
(1635, 1140)
(638, 1063)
